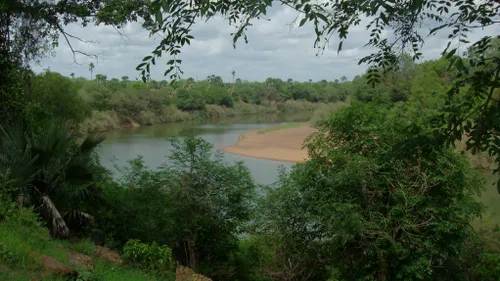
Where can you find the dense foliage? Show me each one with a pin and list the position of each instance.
(104, 104)
(54, 172)
(196, 204)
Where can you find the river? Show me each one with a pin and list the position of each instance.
(150, 142)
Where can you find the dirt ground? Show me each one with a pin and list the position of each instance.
(281, 145)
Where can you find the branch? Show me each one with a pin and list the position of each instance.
(73, 51)
(122, 35)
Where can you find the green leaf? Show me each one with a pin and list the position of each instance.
(147, 58)
(451, 53)
(140, 66)
(302, 22)
(340, 47)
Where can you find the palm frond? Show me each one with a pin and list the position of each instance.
(90, 143)
(58, 225)
(78, 216)
(82, 193)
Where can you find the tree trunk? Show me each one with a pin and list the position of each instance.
(193, 257)
(58, 225)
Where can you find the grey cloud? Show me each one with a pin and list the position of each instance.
(276, 49)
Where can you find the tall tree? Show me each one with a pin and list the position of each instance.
(234, 74)
(72, 75)
(91, 69)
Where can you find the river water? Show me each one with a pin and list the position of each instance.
(150, 142)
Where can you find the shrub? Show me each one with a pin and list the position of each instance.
(152, 256)
(323, 111)
(196, 204)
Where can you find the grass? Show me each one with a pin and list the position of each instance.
(281, 127)
(23, 238)
(104, 271)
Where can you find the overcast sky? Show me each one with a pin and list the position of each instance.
(275, 50)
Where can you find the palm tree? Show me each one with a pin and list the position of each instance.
(310, 81)
(72, 75)
(54, 172)
(233, 73)
(91, 68)
(343, 79)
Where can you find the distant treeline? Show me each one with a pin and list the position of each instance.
(102, 104)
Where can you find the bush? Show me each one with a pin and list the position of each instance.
(55, 97)
(323, 111)
(151, 256)
(196, 204)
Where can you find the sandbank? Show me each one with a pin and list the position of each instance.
(279, 145)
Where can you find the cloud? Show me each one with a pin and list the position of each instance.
(277, 48)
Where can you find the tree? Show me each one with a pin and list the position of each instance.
(91, 68)
(215, 80)
(125, 78)
(54, 172)
(206, 204)
(72, 75)
(54, 96)
(343, 79)
(381, 198)
(310, 81)
(101, 78)
(233, 73)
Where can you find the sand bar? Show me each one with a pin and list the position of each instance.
(280, 145)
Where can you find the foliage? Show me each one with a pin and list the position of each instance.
(197, 206)
(152, 256)
(323, 111)
(380, 199)
(22, 235)
(54, 97)
(54, 172)
(127, 103)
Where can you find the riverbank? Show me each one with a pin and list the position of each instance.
(277, 143)
(284, 143)
(103, 121)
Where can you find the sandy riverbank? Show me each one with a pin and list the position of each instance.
(280, 145)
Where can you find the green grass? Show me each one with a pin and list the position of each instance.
(104, 271)
(281, 127)
(22, 239)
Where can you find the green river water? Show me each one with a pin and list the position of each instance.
(150, 142)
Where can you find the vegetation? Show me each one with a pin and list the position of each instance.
(384, 195)
(471, 106)
(281, 127)
(102, 104)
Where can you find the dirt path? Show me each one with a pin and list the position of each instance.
(281, 145)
